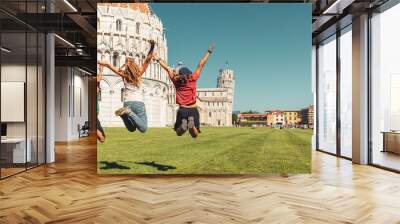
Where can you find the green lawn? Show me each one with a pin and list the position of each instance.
(215, 151)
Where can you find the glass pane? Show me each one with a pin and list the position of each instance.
(41, 98)
(13, 84)
(327, 96)
(17, 8)
(386, 89)
(32, 98)
(346, 93)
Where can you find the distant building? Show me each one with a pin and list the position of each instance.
(292, 118)
(217, 103)
(271, 119)
(307, 116)
(286, 118)
(278, 118)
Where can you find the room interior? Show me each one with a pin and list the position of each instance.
(38, 107)
(356, 158)
(335, 50)
(22, 101)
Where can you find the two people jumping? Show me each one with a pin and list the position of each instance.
(133, 112)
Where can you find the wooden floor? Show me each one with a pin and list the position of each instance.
(69, 191)
(387, 159)
(8, 171)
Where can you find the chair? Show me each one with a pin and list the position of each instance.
(84, 130)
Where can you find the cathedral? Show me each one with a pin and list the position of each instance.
(124, 30)
(216, 104)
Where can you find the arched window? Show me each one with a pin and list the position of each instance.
(150, 70)
(115, 60)
(122, 94)
(123, 57)
(109, 57)
(137, 28)
(119, 25)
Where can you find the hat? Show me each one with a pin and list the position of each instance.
(184, 71)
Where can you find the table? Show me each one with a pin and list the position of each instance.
(391, 141)
(13, 150)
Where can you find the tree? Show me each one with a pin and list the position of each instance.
(234, 119)
(250, 112)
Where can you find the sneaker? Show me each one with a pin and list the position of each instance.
(191, 122)
(183, 128)
(192, 129)
(121, 111)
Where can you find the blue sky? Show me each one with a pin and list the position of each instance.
(267, 45)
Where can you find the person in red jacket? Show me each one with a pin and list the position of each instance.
(185, 81)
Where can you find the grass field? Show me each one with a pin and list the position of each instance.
(216, 151)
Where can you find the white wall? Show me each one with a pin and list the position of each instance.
(61, 103)
(33, 127)
(71, 103)
(80, 111)
(14, 73)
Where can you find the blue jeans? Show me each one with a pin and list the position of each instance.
(137, 118)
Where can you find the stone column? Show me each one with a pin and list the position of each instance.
(360, 90)
(50, 92)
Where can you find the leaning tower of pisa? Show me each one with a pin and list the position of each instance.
(226, 80)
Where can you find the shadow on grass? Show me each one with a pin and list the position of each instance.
(113, 165)
(159, 167)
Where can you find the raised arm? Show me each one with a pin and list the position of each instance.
(203, 61)
(112, 68)
(100, 74)
(148, 58)
(164, 65)
(123, 66)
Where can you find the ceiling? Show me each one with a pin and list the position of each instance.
(74, 22)
(332, 15)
